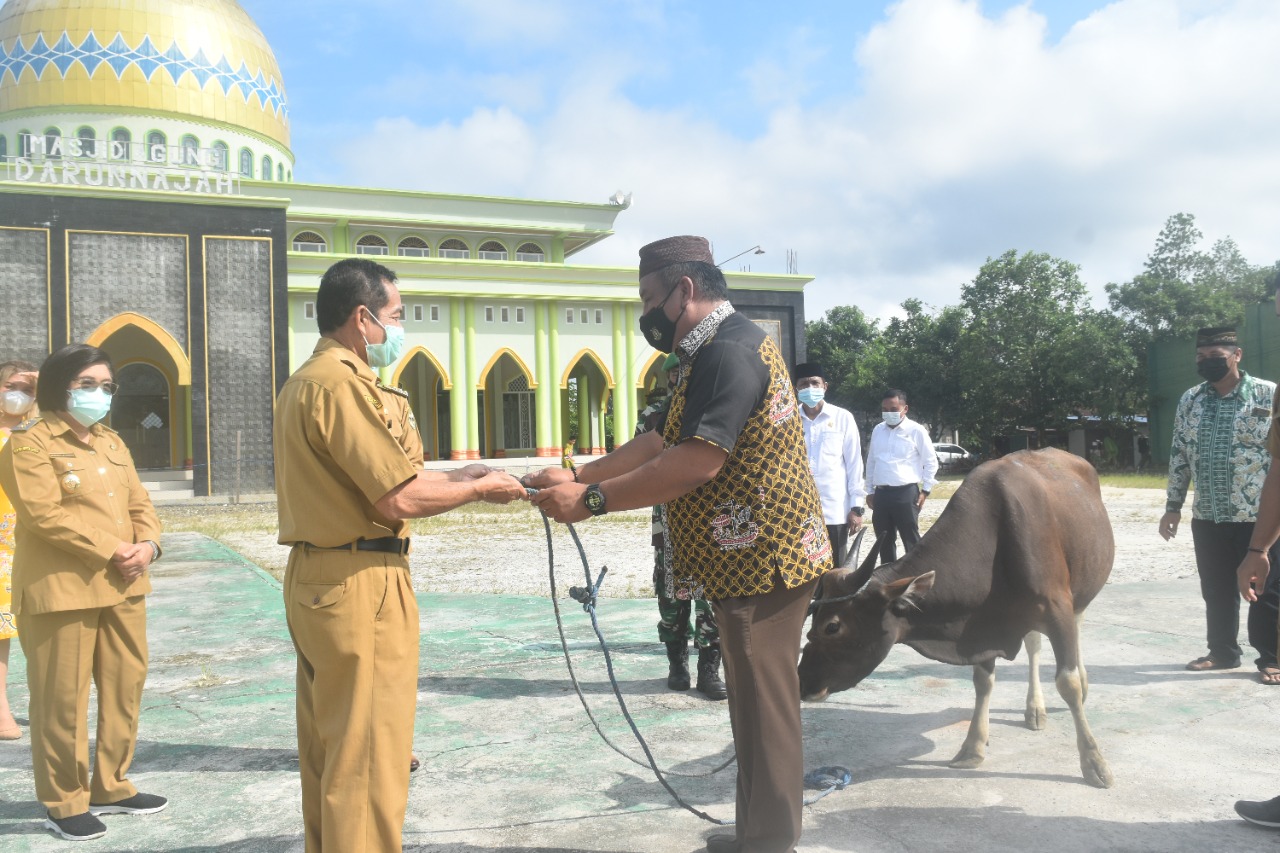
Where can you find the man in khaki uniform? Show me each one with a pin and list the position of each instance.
(743, 514)
(86, 533)
(346, 487)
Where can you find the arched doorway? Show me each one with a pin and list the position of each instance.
(507, 408)
(587, 405)
(423, 377)
(152, 409)
(140, 412)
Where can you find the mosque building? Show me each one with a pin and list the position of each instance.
(148, 205)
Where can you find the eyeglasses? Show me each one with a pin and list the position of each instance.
(89, 385)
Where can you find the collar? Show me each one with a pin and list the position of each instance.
(689, 345)
(59, 425)
(333, 349)
(1244, 388)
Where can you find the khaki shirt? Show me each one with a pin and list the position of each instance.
(339, 449)
(405, 426)
(76, 503)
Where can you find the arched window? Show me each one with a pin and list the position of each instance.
(280, 173)
(52, 143)
(121, 144)
(4, 146)
(372, 244)
(454, 249)
(309, 241)
(246, 163)
(221, 156)
(289, 176)
(156, 145)
(413, 247)
(88, 141)
(266, 168)
(190, 150)
(530, 252)
(493, 251)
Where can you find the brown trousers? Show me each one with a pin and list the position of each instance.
(354, 622)
(64, 651)
(760, 640)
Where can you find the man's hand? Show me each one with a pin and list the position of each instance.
(131, 560)
(855, 521)
(1169, 525)
(499, 487)
(920, 500)
(871, 501)
(547, 477)
(563, 503)
(1252, 575)
(474, 471)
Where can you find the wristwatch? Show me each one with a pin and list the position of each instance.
(594, 500)
(858, 511)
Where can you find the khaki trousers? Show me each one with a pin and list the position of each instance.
(760, 641)
(64, 651)
(354, 622)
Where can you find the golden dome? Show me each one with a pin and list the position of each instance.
(204, 59)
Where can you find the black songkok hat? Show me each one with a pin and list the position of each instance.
(1217, 336)
(810, 368)
(674, 250)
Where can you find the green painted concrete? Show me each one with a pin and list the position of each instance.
(511, 764)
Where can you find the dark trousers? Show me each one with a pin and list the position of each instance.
(760, 639)
(1219, 549)
(839, 536)
(896, 512)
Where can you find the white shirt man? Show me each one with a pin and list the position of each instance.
(835, 457)
(902, 469)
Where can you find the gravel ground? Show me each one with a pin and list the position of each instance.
(503, 550)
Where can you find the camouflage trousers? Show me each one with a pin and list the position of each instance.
(673, 624)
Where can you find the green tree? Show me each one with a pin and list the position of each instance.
(844, 341)
(919, 356)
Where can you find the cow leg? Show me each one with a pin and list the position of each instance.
(1084, 676)
(1035, 715)
(974, 749)
(1071, 685)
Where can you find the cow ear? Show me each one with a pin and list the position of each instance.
(904, 595)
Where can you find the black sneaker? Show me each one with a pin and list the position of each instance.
(78, 827)
(1263, 814)
(139, 803)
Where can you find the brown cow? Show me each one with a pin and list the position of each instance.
(1023, 547)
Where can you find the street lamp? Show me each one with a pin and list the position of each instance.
(754, 249)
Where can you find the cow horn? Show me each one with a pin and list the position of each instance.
(863, 573)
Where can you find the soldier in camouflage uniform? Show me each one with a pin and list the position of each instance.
(674, 611)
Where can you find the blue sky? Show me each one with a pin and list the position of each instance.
(892, 146)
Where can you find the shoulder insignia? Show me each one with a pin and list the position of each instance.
(26, 450)
(26, 425)
(391, 389)
(377, 404)
(413, 422)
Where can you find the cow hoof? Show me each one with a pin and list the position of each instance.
(1096, 772)
(965, 761)
(1036, 718)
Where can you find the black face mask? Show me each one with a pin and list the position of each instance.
(1212, 369)
(657, 329)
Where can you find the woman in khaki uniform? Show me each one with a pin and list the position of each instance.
(86, 534)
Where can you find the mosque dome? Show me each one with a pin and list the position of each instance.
(202, 61)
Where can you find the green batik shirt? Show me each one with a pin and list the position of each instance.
(1221, 444)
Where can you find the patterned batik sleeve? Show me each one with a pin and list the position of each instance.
(1180, 462)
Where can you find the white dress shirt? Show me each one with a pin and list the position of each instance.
(835, 458)
(901, 456)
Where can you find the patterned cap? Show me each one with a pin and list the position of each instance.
(1217, 336)
(674, 250)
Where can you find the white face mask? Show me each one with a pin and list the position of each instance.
(15, 402)
(892, 418)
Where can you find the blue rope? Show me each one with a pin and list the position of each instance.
(827, 779)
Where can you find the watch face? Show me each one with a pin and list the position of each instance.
(594, 500)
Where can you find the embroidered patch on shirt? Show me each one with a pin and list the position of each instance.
(26, 450)
(732, 527)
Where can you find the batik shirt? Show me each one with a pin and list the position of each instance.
(760, 516)
(1220, 443)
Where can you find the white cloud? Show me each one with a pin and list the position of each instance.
(960, 136)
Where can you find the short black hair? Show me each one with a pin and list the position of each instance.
(707, 278)
(894, 392)
(346, 286)
(63, 366)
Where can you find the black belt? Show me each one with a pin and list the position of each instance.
(385, 545)
(903, 486)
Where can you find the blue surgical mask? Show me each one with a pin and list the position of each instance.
(892, 418)
(811, 396)
(388, 352)
(88, 407)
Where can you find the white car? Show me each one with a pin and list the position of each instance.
(953, 457)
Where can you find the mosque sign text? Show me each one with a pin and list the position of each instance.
(120, 165)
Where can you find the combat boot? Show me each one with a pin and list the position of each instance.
(709, 682)
(678, 656)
